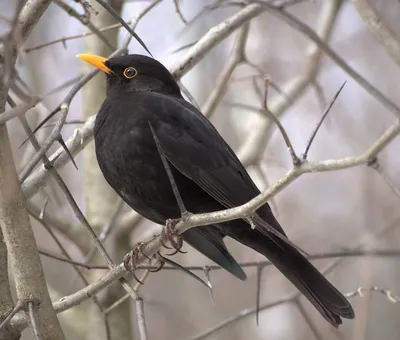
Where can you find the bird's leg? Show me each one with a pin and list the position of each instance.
(169, 232)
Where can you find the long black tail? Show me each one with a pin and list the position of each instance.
(309, 281)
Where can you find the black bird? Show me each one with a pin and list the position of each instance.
(142, 92)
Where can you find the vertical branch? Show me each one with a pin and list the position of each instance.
(100, 198)
(6, 302)
(14, 221)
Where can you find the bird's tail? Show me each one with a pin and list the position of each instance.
(301, 273)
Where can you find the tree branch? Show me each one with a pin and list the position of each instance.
(382, 33)
(252, 149)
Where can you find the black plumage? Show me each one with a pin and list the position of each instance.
(209, 176)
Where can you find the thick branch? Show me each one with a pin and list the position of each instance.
(14, 220)
(382, 33)
(213, 37)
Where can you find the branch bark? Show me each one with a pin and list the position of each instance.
(100, 198)
(14, 220)
(382, 33)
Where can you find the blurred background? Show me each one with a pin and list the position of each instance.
(321, 212)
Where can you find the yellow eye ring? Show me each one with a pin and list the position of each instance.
(130, 72)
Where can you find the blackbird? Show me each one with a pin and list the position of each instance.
(142, 96)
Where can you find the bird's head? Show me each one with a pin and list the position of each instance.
(133, 73)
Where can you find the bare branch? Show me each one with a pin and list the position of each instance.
(14, 220)
(381, 32)
(374, 164)
(314, 133)
(32, 317)
(178, 10)
(234, 318)
(106, 228)
(386, 292)
(251, 151)
(110, 10)
(15, 310)
(235, 59)
(247, 264)
(302, 27)
(290, 298)
(258, 291)
(80, 138)
(214, 36)
(86, 34)
(126, 296)
(296, 161)
(141, 319)
(75, 263)
(84, 19)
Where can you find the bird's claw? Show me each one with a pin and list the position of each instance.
(130, 259)
(173, 237)
(160, 261)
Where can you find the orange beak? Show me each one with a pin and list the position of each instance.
(95, 60)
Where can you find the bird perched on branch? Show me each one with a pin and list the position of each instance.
(143, 95)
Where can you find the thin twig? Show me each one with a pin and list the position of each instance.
(245, 264)
(386, 292)
(19, 305)
(126, 296)
(374, 164)
(141, 318)
(236, 57)
(76, 263)
(106, 229)
(254, 146)
(236, 317)
(304, 28)
(110, 10)
(296, 160)
(178, 10)
(324, 115)
(258, 291)
(32, 317)
(85, 21)
(206, 271)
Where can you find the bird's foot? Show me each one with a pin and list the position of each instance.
(130, 260)
(171, 235)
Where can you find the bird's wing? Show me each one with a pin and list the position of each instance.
(194, 147)
(192, 144)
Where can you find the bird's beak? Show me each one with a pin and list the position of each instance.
(95, 60)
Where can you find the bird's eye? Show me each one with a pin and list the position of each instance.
(130, 72)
